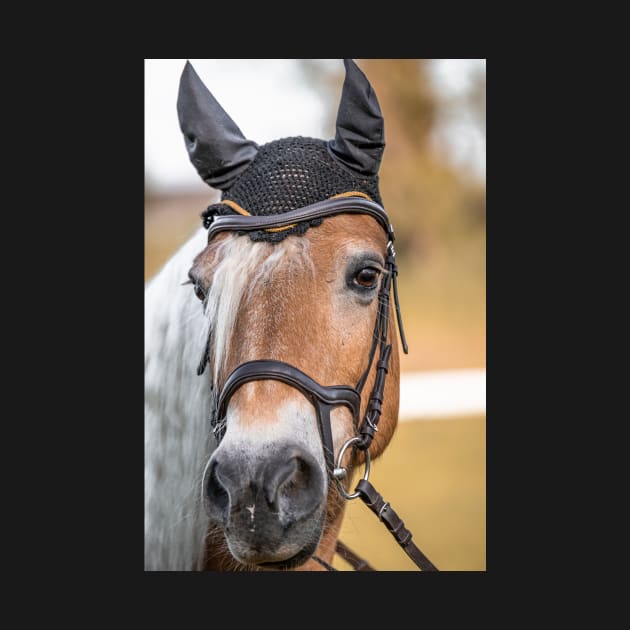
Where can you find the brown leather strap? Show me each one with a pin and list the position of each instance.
(321, 209)
(394, 524)
(322, 397)
(325, 564)
(356, 562)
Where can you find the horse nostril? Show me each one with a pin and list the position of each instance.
(217, 495)
(294, 486)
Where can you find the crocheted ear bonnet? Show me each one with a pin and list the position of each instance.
(284, 174)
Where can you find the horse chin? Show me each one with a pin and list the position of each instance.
(270, 562)
(298, 546)
(294, 561)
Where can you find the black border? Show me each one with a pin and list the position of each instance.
(106, 318)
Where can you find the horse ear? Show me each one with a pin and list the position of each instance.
(216, 146)
(360, 139)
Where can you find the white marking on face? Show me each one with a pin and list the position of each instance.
(293, 422)
(251, 509)
(342, 429)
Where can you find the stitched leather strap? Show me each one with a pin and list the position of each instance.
(323, 398)
(394, 524)
(327, 208)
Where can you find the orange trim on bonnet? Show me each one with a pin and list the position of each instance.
(237, 208)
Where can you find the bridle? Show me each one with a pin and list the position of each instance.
(325, 398)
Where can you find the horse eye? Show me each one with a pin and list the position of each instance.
(367, 277)
(200, 293)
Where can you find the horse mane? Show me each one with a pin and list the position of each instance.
(177, 407)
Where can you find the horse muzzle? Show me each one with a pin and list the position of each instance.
(270, 508)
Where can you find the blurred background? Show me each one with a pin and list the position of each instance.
(432, 181)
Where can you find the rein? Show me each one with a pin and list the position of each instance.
(325, 398)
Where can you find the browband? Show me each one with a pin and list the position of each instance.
(321, 209)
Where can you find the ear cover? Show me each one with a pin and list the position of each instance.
(360, 138)
(216, 146)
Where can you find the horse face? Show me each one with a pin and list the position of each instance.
(309, 301)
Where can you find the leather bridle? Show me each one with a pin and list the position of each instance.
(325, 398)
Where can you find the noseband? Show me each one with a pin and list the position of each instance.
(325, 398)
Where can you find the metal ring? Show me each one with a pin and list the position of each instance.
(354, 495)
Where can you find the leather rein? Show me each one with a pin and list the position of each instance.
(325, 398)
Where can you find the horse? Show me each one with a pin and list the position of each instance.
(269, 335)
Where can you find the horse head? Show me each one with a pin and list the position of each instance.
(294, 313)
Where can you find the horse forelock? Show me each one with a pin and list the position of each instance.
(239, 266)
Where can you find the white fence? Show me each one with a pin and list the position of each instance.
(433, 395)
